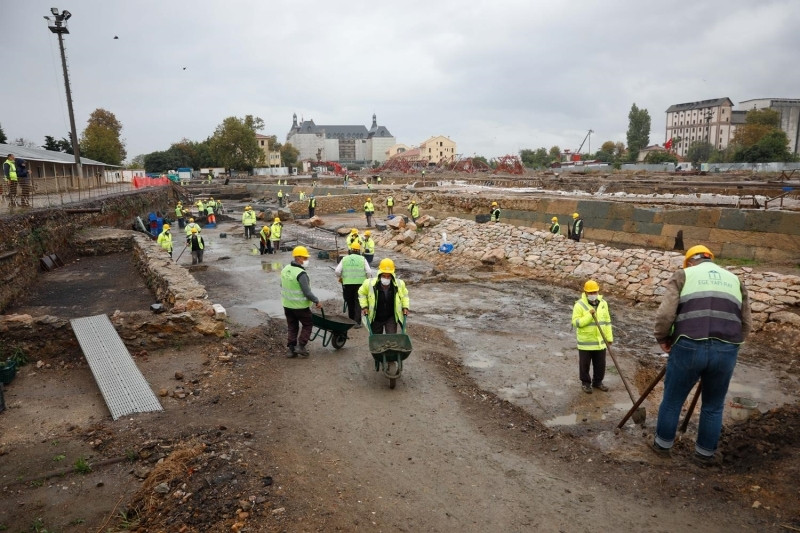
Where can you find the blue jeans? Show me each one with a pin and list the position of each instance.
(711, 361)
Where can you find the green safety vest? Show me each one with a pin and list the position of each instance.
(200, 243)
(275, 231)
(555, 228)
(12, 170)
(211, 203)
(368, 299)
(200, 206)
(369, 207)
(353, 271)
(191, 225)
(264, 235)
(368, 246)
(165, 240)
(249, 218)
(589, 337)
(710, 306)
(312, 203)
(179, 211)
(390, 201)
(414, 208)
(292, 296)
(495, 214)
(280, 194)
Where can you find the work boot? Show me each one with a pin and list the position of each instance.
(587, 388)
(601, 387)
(660, 450)
(291, 354)
(302, 351)
(704, 461)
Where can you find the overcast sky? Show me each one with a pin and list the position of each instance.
(495, 76)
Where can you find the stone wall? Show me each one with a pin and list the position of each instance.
(27, 236)
(636, 274)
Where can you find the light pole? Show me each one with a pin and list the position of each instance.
(59, 26)
(708, 116)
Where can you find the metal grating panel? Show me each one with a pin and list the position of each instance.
(122, 384)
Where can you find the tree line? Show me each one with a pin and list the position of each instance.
(760, 139)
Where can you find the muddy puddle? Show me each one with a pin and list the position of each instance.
(514, 337)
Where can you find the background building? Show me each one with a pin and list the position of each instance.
(345, 144)
(271, 158)
(436, 149)
(789, 110)
(711, 121)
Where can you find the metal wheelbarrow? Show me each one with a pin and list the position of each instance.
(333, 328)
(389, 351)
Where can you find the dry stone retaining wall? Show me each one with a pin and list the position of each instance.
(637, 274)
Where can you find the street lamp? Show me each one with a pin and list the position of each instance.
(58, 25)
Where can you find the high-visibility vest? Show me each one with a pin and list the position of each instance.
(12, 170)
(414, 208)
(577, 226)
(353, 271)
(369, 207)
(275, 231)
(200, 206)
(249, 218)
(710, 305)
(368, 299)
(198, 238)
(191, 225)
(312, 203)
(280, 194)
(495, 214)
(555, 228)
(165, 240)
(588, 335)
(179, 211)
(390, 201)
(354, 237)
(368, 246)
(264, 234)
(292, 296)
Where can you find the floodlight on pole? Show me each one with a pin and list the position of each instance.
(59, 27)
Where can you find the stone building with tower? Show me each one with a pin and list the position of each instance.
(345, 144)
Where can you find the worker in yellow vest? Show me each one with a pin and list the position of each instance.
(352, 270)
(275, 235)
(249, 222)
(165, 239)
(179, 215)
(390, 205)
(369, 210)
(280, 198)
(10, 178)
(296, 297)
(589, 316)
(368, 247)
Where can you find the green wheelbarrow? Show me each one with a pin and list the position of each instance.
(389, 351)
(333, 328)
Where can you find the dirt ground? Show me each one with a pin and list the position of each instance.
(487, 429)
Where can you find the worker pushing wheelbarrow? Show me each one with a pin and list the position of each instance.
(384, 303)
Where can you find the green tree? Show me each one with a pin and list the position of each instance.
(289, 154)
(3, 138)
(608, 147)
(538, 158)
(771, 147)
(638, 135)
(655, 158)
(101, 139)
(555, 153)
(758, 123)
(50, 143)
(699, 151)
(136, 163)
(234, 143)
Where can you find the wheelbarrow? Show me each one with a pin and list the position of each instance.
(333, 328)
(389, 351)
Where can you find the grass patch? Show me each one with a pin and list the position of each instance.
(737, 261)
(82, 466)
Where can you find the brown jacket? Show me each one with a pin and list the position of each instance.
(668, 309)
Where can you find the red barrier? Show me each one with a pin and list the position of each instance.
(150, 182)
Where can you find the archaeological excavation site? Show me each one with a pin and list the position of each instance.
(148, 391)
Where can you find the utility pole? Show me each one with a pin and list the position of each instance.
(59, 27)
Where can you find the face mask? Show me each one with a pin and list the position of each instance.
(592, 297)
(306, 263)
(385, 281)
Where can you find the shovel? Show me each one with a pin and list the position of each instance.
(640, 415)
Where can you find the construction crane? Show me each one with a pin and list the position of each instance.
(577, 155)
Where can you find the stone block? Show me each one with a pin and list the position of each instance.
(219, 312)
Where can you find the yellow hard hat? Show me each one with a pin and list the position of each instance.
(386, 266)
(166, 226)
(369, 199)
(494, 204)
(554, 219)
(248, 208)
(277, 219)
(355, 246)
(194, 230)
(191, 220)
(575, 215)
(265, 228)
(591, 286)
(367, 233)
(179, 203)
(697, 250)
(300, 251)
(354, 230)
